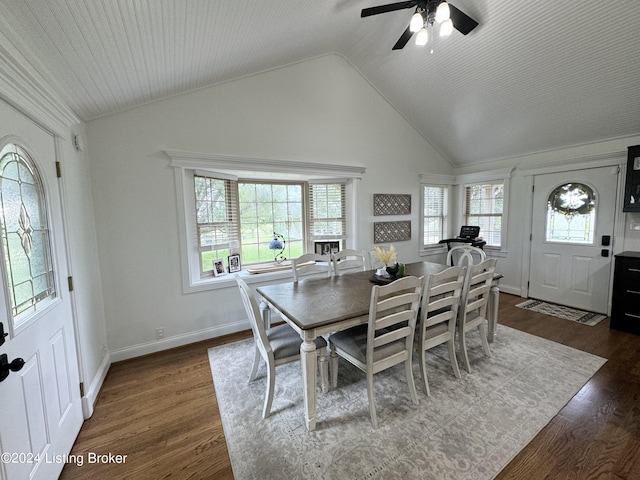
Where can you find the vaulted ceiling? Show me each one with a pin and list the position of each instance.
(534, 75)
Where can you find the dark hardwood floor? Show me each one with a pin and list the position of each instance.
(161, 411)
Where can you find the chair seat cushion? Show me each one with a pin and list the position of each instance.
(354, 342)
(285, 341)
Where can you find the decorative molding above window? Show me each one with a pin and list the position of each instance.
(246, 167)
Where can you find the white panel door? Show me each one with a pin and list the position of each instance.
(41, 411)
(567, 265)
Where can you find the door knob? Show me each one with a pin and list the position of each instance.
(15, 366)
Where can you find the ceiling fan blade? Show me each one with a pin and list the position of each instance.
(367, 12)
(402, 41)
(461, 21)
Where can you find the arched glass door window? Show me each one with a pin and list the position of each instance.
(25, 234)
(571, 213)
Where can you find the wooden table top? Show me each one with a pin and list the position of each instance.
(316, 302)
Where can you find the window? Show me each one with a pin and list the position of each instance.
(245, 215)
(483, 207)
(203, 236)
(571, 213)
(268, 208)
(327, 219)
(25, 233)
(434, 213)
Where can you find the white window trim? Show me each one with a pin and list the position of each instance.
(435, 180)
(467, 180)
(187, 163)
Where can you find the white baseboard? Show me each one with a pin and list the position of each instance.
(510, 289)
(91, 395)
(177, 341)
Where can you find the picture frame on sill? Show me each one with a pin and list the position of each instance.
(234, 263)
(218, 267)
(327, 248)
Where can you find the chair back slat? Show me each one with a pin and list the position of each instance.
(349, 259)
(311, 263)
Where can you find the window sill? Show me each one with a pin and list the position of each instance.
(228, 280)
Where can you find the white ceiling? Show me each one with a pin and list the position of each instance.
(534, 75)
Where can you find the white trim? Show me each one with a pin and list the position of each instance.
(437, 179)
(481, 177)
(234, 164)
(178, 340)
(91, 395)
(24, 88)
(593, 161)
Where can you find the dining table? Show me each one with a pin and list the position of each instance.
(317, 306)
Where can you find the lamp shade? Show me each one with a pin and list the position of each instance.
(422, 37)
(417, 22)
(446, 28)
(275, 244)
(442, 12)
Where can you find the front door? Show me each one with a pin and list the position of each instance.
(573, 214)
(41, 412)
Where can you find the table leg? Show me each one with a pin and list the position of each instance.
(494, 297)
(309, 371)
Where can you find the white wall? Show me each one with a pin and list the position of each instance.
(320, 110)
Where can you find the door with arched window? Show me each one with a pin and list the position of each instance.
(41, 405)
(572, 213)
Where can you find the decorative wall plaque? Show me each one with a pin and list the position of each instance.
(384, 232)
(391, 204)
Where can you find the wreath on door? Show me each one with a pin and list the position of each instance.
(572, 199)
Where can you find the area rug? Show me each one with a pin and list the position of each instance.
(469, 428)
(560, 311)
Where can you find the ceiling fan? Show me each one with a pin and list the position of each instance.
(427, 13)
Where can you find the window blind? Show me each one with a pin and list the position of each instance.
(327, 217)
(483, 208)
(434, 214)
(216, 218)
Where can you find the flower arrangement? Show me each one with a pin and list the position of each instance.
(385, 256)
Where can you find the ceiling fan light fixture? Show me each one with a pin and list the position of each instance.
(422, 37)
(417, 22)
(446, 28)
(442, 12)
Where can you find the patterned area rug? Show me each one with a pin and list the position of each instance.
(560, 311)
(469, 428)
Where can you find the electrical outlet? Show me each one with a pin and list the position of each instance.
(159, 333)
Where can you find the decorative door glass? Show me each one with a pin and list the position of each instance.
(571, 213)
(25, 234)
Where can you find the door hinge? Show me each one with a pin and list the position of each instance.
(82, 389)
(70, 282)
(530, 236)
(58, 170)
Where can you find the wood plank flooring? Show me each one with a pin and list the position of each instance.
(161, 411)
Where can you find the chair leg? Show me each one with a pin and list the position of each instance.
(463, 350)
(334, 367)
(372, 400)
(408, 369)
(271, 383)
(453, 358)
(423, 369)
(324, 369)
(483, 339)
(256, 363)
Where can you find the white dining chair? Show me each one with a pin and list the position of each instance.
(386, 340)
(462, 255)
(438, 316)
(350, 259)
(276, 345)
(311, 264)
(473, 306)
